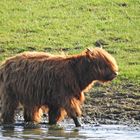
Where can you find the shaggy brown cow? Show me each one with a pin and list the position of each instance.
(39, 80)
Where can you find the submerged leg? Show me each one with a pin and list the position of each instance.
(9, 105)
(76, 121)
(73, 111)
(32, 114)
(54, 115)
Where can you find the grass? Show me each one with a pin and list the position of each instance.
(71, 26)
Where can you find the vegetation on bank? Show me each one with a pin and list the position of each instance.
(69, 26)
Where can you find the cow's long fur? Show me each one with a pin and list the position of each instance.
(37, 79)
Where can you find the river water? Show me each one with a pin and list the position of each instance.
(70, 132)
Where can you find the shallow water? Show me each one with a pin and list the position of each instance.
(69, 131)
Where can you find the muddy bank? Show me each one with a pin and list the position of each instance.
(113, 104)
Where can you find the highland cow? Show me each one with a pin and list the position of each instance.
(40, 80)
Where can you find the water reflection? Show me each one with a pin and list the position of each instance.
(45, 132)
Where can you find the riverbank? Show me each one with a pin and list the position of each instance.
(113, 104)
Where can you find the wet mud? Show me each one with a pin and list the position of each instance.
(113, 104)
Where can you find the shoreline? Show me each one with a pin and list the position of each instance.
(113, 104)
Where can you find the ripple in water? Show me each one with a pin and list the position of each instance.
(69, 131)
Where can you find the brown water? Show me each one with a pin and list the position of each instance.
(69, 131)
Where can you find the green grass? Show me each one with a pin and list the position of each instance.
(53, 25)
